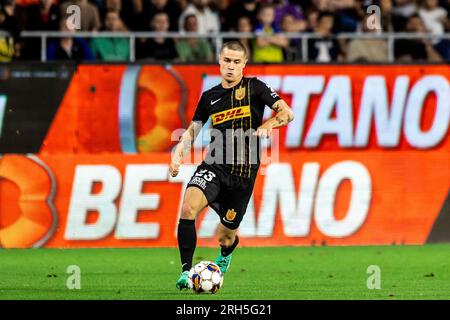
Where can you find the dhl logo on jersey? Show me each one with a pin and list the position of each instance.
(234, 113)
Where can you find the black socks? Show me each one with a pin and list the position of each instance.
(226, 251)
(187, 240)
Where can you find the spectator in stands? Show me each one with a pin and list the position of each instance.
(435, 20)
(109, 5)
(71, 48)
(293, 51)
(401, 12)
(150, 7)
(244, 24)
(348, 15)
(416, 49)
(9, 45)
(268, 49)
(446, 5)
(220, 7)
(44, 15)
(283, 8)
(182, 4)
(324, 48)
(112, 49)
(193, 49)
(127, 11)
(386, 8)
(433, 16)
(405, 8)
(90, 18)
(312, 18)
(208, 22)
(368, 50)
(160, 49)
(238, 9)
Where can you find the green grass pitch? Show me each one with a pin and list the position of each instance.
(287, 273)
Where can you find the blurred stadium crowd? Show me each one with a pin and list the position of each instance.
(324, 18)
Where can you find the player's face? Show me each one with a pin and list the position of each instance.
(232, 64)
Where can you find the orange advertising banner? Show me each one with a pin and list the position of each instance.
(135, 109)
(365, 162)
(305, 199)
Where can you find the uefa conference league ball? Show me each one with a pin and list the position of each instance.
(205, 277)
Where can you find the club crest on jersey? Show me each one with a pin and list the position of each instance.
(240, 93)
(231, 214)
(230, 114)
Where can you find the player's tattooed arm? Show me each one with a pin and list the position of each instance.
(183, 147)
(283, 117)
(276, 106)
(284, 113)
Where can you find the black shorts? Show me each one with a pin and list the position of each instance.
(226, 193)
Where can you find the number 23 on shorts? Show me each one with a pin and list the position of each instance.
(206, 174)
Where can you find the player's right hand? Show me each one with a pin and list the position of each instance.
(174, 168)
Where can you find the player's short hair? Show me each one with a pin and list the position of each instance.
(234, 45)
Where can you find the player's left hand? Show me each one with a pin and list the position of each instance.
(174, 168)
(263, 132)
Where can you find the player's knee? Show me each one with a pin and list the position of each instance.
(188, 211)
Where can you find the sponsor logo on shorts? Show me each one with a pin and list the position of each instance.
(199, 182)
(234, 113)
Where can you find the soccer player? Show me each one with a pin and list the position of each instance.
(225, 179)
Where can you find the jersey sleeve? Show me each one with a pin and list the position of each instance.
(201, 113)
(265, 93)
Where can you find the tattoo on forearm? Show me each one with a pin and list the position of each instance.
(279, 120)
(186, 145)
(283, 116)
